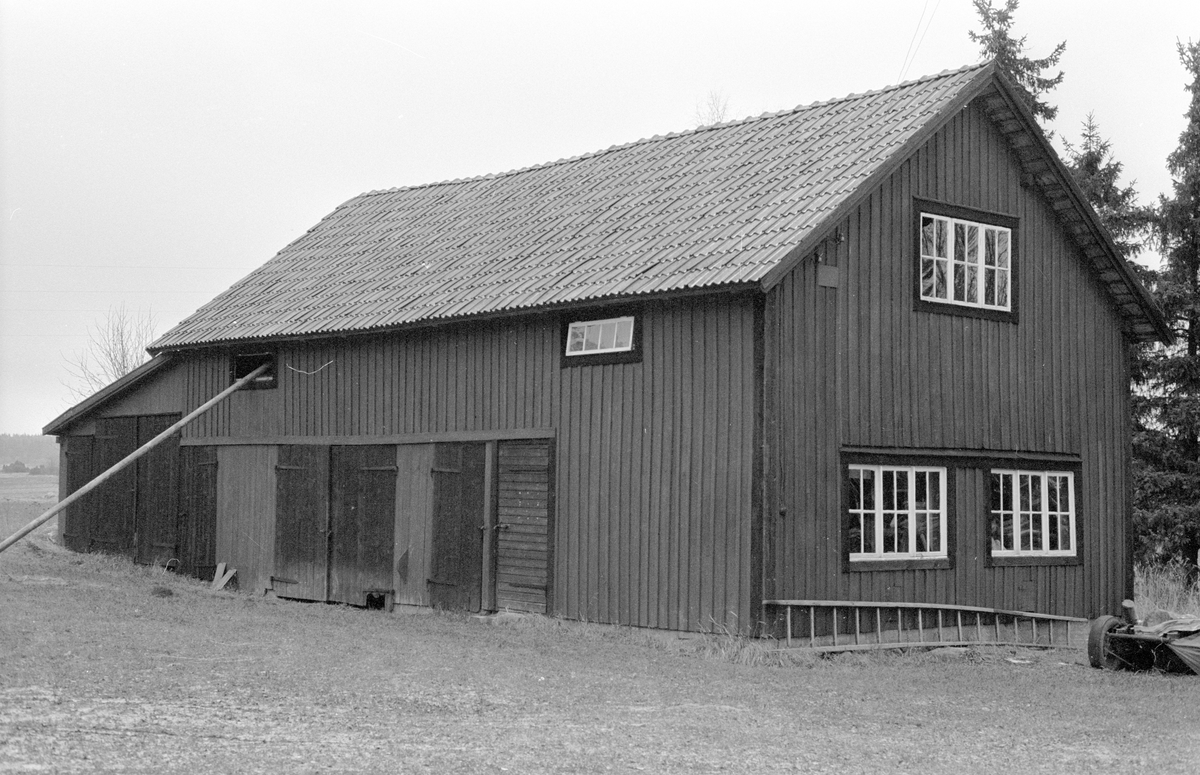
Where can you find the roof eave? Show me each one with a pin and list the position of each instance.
(105, 394)
(555, 308)
(1088, 215)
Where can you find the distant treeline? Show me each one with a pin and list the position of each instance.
(30, 449)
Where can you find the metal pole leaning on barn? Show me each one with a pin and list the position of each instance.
(132, 456)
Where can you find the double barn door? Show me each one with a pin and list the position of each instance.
(335, 510)
(478, 535)
(133, 513)
(491, 526)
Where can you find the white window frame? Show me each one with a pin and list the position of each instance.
(1020, 513)
(608, 336)
(878, 513)
(971, 264)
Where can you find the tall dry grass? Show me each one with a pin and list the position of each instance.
(1165, 587)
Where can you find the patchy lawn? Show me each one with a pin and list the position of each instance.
(106, 666)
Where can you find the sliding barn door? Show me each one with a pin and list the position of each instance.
(524, 525)
(456, 556)
(362, 522)
(302, 522)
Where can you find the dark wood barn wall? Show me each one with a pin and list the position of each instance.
(857, 366)
(653, 477)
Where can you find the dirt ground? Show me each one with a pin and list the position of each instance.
(110, 667)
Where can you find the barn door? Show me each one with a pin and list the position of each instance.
(302, 522)
(155, 513)
(362, 522)
(78, 518)
(113, 528)
(456, 557)
(198, 511)
(524, 525)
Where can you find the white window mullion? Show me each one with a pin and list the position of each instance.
(912, 510)
(879, 509)
(1046, 514)
(944, 538)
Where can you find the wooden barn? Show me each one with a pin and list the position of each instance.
(873, 351)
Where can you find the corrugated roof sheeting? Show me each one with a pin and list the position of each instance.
(719, 205)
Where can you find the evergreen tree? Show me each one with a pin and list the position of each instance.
(1098, 174)
(1167, 423)
(997, 43)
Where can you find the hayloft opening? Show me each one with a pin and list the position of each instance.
(244, 363)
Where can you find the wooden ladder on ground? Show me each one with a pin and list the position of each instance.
(852, 625)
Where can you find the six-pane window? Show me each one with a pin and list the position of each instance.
(967, 263)
(897, 512)
(1032, 513)
(592, 337)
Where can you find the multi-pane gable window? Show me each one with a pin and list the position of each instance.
(593, 337)
(896, 512)
(964, 262)
(1033, 513)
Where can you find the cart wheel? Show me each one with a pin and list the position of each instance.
(1099, 654)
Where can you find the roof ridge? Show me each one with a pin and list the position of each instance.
(672, 135)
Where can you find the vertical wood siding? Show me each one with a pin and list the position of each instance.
(245, 513)
(859, 367)
(654, 459)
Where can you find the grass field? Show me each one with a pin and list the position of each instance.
(106, 666)
(23, 498)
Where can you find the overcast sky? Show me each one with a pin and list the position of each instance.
(152, 153)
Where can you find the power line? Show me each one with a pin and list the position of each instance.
(908, 60)
(904, 64)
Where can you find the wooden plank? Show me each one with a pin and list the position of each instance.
(490, 522)
(530, 506)
(514, 514)
(414, 510)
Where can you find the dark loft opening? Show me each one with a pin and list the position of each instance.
(245, 363)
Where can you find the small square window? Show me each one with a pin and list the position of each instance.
(596, 337)
(244, 363)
